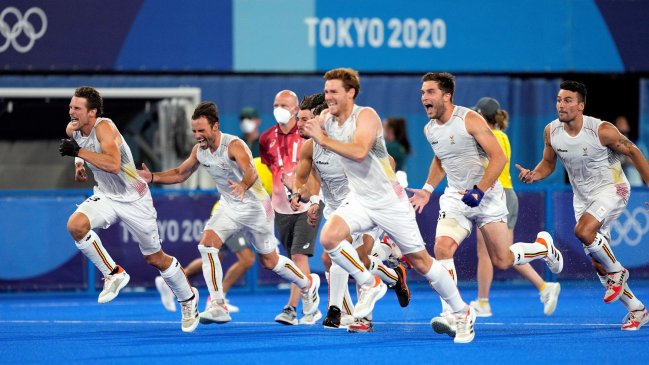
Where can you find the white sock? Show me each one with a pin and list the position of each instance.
(93, 249)
(389, 276)
(287, 270)
(346, 257)
(602, 252)
(630, 301)
(449, 265)
(175, 278)
(212, 272)
(442, 283)
(381, 250)
(338, 284)
(526, 252)
(347, 303)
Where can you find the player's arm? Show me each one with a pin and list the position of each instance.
(109, 159)
(479, 129)
(303, 169)
(611, 137)
(545, 167)
(238, 153)
(69, 130)
(175, 175)
(367, 128)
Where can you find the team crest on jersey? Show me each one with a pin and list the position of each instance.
(585, 151)
(452, 139)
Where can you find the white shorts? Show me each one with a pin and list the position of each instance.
(397, 219)
(492, 208)
(357, 238)
(256, 222)
(605, 207)
(139, 217)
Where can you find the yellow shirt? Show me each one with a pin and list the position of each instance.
(264, 175)
(505, 178)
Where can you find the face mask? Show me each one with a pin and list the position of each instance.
(247, 125)
(282, 116)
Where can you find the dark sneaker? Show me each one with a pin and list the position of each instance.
(332, 320)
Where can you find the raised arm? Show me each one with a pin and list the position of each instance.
(545, 167)
(611, 137)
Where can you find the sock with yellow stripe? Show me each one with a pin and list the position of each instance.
(175, 278)
(449, 265)
(212, 272)
(387, 275)
(287, 270)
(627, 298)
(601, 251)
(94, 250)
(346, 257)
(527, 252)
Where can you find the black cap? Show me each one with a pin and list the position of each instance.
(487, 107)
(248, 113)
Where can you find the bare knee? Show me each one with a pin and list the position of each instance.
(159, 260)
(78, 226)
(247, 258)
(501, 263)
(445, 248)
(584, 234)
(269, 260)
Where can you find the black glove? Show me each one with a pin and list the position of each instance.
(473, 197)
(69, 147)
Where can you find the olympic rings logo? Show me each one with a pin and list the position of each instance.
(632, 230)
(11, 33)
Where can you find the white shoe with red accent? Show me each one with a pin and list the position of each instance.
(464, 321)
(635, 319)
(553, 259)
(360, 326)
(615, 285)
(369, 295)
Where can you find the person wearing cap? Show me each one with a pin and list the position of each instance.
(468, 154)
(498, 119)
(249, 123)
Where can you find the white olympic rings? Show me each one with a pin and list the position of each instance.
(620, 230)
(11, 33)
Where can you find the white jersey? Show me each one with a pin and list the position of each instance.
(222, 169)
(333, 180)
(373, 181)
(462, 158)
(127, 185)
(592, 167)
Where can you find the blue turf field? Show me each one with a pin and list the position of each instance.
(135, 328)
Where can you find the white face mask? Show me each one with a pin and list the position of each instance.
(247, 125)
(282, 116)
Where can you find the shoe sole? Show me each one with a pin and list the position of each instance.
(442, 328)
(287, 323)
(204, 320)
(553, 307)
(110, 297)
(404, 300)
(617, 297)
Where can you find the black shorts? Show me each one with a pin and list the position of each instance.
(295, 233)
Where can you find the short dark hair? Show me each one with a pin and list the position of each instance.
(311, 101)
(445, 80)
(349, 77)
(577, 87)
(93, 98)
(209, 110)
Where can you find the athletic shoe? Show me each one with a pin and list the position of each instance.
(464, 321)
(166, 295)
(550, 297)
(615, 285)
(360, 326)
(113, 284)
(332, 320)
(288, 316)
(553, 259)
(369, 295)
(310, 319)
(310, 297)
(482, 308)
(346, 320)
(215, 313)
(401, 286)
(231, 308)
(444, 324)
(635, 319)
(189, 309)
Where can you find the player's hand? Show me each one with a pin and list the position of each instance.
(312, 214)
(295, 201)
(80, 174)
(69, 147)
(145, 173)
(419, 199)
(526, 175)
(237, 189)
(473, 197)
(313, 129)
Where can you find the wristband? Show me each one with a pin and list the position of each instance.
(151, 182)
(78, 160)
(428, 187)
(315, 199)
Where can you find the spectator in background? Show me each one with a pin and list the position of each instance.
(630, 171)
(249, 123)
(396, 141)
